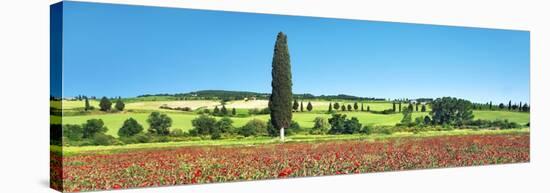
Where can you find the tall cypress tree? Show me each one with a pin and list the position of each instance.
(280, 100)
(295, 105)
(309, 106)
(86, 104)
(329, 107)
(510, 105)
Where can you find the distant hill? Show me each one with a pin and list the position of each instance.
(240, 95)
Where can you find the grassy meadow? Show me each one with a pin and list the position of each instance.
(140, 110)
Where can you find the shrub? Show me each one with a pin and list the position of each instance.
(320, 126)
(341, 125)
(93, 126)
(367, 129)
(159, 123)
(129, 128)
(177, 133)
(103, 139)
(453, 111)
(73, 132)
(253, 127)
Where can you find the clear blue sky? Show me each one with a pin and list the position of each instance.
(121, 50)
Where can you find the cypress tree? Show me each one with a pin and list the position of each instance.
(86, 104)
(355, 106)
(510, 105)
(399, 106)
(329, 107)
(349, 107)
(423, 109)
(216, 110)
(309, 106)
(234, 112)
(519, 108)
(362, 107)
(119, 105)
(368, 108)
(416, 107)
(223, 110)
(301, 106)
(295, 105)
(393, 106)
(280, 100)
(336, 106)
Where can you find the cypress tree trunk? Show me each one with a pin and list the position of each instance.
(280, 101)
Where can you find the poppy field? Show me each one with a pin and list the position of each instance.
(212, 164)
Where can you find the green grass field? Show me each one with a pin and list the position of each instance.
(182, 120)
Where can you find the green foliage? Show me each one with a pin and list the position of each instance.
(129, 128)
(341, 125)
(292, 129)
(73, 132)
(86, 104)
(233, 111)
(93, 126)
(423, 109)
(309, 106)
(301, 106)
(356, 106)
(177, 133)
(280, 100)
(349, 107)
(159, 123)
(216, 110)
(330, 107)
(336, 106)
(452, 111)
(103, 139)
(254, 127)
(119, 105)
(224, 111)
(204, 124)
(105, 104)
(320, 126)
(225, 125)
(407, 116)
(295, 106)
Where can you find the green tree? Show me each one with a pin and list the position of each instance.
(330, 107)
(159, 123)
(399, 106)
(86, 104)
(336, 106)
(368, 108)
(301, 106)
(204, 124)
(73, 132)
(393, 107)
(320, 126)
(355, 106)
(280, 101)
(423, 109)
(119, 105)
(224, 111)
(225, 125)
(129, 128)
(349, 107)
(352, 126)
(216, 111)
(407, 116)
(362, 109)
(427, 120)
(105, 104)
(501, 106)
(337, 123)
(233, 111)
(410, 107)
(416, 107)
(510, 105)
(309, 106)
(295, 106)
(343, 108)
(93, 126)
(450, 110)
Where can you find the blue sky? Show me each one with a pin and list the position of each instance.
(121, 50)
